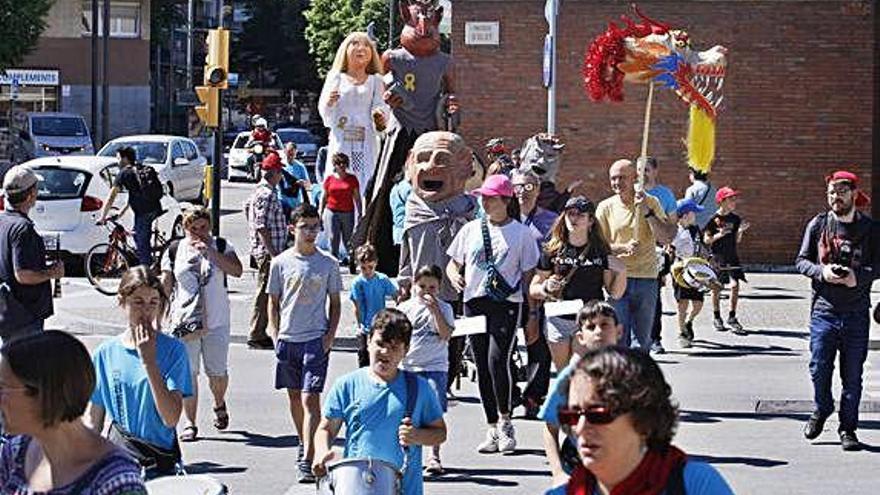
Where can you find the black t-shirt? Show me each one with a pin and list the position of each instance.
(129, 181)
(587, 282)
(22, 247)
(724, 249)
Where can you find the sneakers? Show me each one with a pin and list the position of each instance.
(684, 341)
(304, 472)
(814, 426)
(506, 437)
(689, 330)
(300, 452)
(490, 444)
(849, 441)
(718, 323)
(735, 326)
(657, 348)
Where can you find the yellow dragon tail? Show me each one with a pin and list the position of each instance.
(700, 140)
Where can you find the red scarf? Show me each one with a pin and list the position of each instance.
(648, 478)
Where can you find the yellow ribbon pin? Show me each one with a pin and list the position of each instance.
(409, 82)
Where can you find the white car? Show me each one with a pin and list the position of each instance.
(70, 196)
(176, 159)
(237, 160)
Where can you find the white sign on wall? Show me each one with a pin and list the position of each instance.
(30, 77)
(482, 33)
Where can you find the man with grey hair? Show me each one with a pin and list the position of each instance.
(25, 292)
(632, 222)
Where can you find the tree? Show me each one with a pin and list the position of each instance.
(330, 21)
(21, 24)
(272, 50)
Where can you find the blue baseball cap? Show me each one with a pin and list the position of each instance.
(687, 205)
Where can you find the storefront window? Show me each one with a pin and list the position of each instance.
(125, 19)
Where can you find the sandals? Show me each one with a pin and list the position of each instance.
(221, 417)
(190, 434)
(433, 467)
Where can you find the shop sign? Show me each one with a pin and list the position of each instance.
(30, 77)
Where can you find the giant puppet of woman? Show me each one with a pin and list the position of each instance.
(352, 105)
(420, 92)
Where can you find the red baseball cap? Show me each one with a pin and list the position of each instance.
(724, 193)
(272, 162)
(842, 176)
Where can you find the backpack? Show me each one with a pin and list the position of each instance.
(172, 253)
(151, 186)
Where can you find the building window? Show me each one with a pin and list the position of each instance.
(125, 19)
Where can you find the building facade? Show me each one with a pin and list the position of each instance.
(57, 75)
(798, 99)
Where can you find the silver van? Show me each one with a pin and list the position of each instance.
(56, 133)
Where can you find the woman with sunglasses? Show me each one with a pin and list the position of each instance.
(48, 449)
(576, 263)
(621, 415)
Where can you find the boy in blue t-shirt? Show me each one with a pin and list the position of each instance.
(369, 290)
(372, 403)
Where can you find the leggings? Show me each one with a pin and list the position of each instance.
(492, 351)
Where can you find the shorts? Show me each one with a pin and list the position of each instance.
(438, 381)
(301, 365)
(725, 276)
(687, 293)
(213, 347)
(560, 329)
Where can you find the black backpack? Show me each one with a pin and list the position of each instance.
(151, 186)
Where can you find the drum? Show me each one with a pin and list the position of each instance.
(361, 477)
(198, 484)
(694, 273)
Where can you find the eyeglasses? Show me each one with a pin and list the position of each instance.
(309, 228)
(524, 187)
(595, 415)
(840, 191)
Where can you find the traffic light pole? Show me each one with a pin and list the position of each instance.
(218, 166)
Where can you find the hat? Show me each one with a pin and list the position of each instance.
(19, 178)
(687, 205)
(271, 162)
(843, 176)
(579, 203)
(495, 185)
(724, 193)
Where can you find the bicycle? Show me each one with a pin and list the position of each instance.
(106, 262)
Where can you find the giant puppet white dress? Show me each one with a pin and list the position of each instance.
(351, 123)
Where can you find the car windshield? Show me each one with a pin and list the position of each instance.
(241, 140)
(296, 135)
(146, 151)
(60, 183)
(58, 126)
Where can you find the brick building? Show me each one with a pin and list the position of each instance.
(798, 101)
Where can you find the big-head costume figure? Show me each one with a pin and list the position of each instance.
(420, 93)
(541, 155)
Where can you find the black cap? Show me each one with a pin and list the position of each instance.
(581, 204)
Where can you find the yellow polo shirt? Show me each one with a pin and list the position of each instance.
(617, 224)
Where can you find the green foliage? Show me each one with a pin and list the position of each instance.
(21, 23)
(330, 21)
(272, 50)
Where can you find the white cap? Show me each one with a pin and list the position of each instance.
(19, 178)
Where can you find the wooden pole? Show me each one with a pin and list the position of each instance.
(640, 163)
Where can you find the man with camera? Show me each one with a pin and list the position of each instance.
(839, 254)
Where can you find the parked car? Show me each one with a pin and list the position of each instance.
(56, 133)
(238, 165)
(307, 144)
(180, 165)
(70, 197)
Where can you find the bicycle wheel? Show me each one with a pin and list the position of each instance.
(105, 265)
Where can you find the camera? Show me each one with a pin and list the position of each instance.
(843, 258)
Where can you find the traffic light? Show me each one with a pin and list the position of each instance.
(217, 61)
(209, 111)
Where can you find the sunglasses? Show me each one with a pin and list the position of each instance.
(524, 187)
(595, 415)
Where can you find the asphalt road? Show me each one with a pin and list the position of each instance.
(743, 400)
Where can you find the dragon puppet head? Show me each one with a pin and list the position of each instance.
(540, 154)
(637, 53)
(439, 165)
(421, 29)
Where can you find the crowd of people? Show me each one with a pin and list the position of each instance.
(582, 279)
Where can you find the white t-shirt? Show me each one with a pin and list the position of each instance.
(190, 269)
(683, 243)
(513, 248)
(427, 351)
